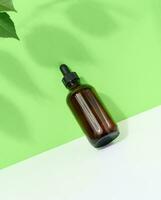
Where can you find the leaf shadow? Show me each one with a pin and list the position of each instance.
(12, 121)
(14, 72)
(91, 17)
(52, 45)
(156, 13)
(47, 5)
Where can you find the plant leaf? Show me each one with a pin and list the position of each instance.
(7, 28)
(6, 5)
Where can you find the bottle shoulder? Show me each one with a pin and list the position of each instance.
(79, 89)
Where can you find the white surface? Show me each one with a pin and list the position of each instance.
(130, 169)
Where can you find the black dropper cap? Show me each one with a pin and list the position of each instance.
(70, 79)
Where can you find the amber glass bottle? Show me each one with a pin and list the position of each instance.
(89, 111)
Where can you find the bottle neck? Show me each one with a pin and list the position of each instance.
(73, 85)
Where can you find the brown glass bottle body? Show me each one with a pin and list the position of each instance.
(92, 115)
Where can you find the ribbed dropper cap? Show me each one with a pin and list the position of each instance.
(70, 78)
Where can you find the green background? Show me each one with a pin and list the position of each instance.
(115, 45)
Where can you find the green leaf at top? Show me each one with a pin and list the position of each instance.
(7, 28)
(6, 5)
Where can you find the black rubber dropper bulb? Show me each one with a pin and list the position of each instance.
(70, 79)
(64, 69)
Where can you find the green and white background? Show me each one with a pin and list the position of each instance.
(115, 45)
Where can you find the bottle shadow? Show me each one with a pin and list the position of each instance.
(116, 112)
(118, 115)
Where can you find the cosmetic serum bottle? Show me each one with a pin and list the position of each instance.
(88, 110)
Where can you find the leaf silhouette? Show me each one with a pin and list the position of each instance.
(11, 119)
(7, 28)
(15, 73)
(51, 45)
(6, 5)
